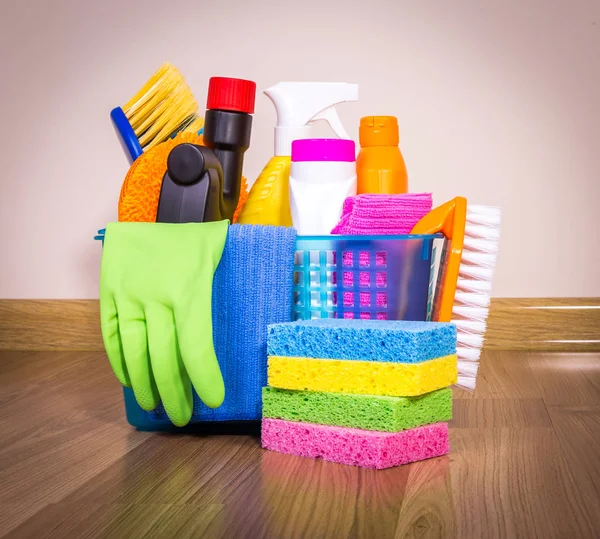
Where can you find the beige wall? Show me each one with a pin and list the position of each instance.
(497, 101)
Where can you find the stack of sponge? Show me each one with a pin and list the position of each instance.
(360, 392)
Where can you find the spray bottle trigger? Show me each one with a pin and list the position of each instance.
(331, 117)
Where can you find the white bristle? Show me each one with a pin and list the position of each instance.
(480, 209)
(470, 313)
(473, 289)
(483, 215)
(475, 258)
(472, 285)
(479, 273)
(466, 382)
(468, 354)
(468, 368)
(481, 245)
(472, 299)
(476, 272)
(470, 326)
(470, 340)
(482, 231)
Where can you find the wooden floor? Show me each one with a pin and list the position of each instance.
(524, 462)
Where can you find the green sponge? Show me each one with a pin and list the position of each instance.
(369, 412)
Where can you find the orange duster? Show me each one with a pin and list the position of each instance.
(140, 191)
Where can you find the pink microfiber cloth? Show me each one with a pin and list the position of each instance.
(356, 447)
(382, 214)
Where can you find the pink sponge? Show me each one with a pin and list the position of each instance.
(356, 447)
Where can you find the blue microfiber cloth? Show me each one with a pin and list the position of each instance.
(367, 340)
(252, 288)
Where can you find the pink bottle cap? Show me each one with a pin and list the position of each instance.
(323, 149)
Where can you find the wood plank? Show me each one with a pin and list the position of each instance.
(50, 325)
(499, 413)
(320, 488)
(503, 376)
(578, 429)
(56, 383)
(567, 378)
(55, 468)
(116, 521)
(358, 502)
(515, 483)
(173, 469)
(558, 324)
(62, 421)
(571, 324)
(70, 465)
(428, 507)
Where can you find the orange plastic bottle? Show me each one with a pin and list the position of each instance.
(380, 167)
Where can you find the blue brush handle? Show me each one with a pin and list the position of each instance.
(129, 141)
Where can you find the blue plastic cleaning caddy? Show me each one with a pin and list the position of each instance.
(367, 277)
(269, 275)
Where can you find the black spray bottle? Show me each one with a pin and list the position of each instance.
(202, 183)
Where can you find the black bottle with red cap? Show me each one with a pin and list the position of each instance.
(202, 183)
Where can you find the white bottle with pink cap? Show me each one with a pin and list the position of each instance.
(322, 175)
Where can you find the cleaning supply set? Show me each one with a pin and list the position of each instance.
(389, 379)
(324, 311)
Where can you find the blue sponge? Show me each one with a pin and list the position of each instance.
(252, 288)
(371, 340)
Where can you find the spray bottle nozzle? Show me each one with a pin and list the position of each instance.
(298, 104)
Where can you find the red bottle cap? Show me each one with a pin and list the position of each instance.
(225, 93)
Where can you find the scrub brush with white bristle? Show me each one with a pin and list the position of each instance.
(473, 289)
(467, 268)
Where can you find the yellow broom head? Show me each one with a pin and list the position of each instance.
(140, 191)
(165, 105)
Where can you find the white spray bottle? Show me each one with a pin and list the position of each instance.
(298, 106)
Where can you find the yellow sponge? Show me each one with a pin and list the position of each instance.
(363, 377)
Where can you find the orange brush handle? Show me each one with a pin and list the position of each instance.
(450, 219)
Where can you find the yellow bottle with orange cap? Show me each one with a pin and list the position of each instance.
(380, 167)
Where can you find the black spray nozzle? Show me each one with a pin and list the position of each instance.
(187, 163)
(191, 187)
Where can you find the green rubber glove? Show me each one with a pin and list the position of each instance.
(155, 310)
